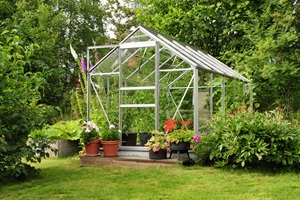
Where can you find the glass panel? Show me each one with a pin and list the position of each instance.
(138, 123)
(138, 63)
(139, 36)
(109, 63)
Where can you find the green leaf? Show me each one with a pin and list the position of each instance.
(4, 32)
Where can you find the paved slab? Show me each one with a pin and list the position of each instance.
(126, 161)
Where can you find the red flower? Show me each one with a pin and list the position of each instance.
(169, 125)
(278, 108)
(187, 122)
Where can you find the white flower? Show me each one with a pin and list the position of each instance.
(112, 126)
(73, 52)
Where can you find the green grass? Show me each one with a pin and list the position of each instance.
(65, 179)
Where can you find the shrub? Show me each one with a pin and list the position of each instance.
(203, 149)
(247, 138)
(62, 130)
(19, 110)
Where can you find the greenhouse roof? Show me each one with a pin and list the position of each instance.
(143, 36)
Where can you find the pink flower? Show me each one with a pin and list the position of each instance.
(197, 138)
(96, 56)
(83, 66)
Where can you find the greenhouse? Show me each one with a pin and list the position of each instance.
(149, 78)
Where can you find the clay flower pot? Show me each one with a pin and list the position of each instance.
(110, 148)
(92, 148)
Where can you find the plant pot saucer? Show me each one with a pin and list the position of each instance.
(91, 155)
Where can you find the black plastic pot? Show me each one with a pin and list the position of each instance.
(161, 154)
(129, 139)
(144, 137)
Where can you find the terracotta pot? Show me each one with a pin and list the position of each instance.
(77, 85)
(92, 148)
(110, 148)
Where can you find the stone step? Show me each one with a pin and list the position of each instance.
(126, 161)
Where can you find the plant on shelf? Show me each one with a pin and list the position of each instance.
(110, 141)
(111, 134)
(180, 140)
(178, 135)
(157, 146)
(157, 142)
(90, 137)
(90, 131)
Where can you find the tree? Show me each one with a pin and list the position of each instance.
(257, 38)
(19, 112)
(272, 56)
(122, 18)
(54, 25)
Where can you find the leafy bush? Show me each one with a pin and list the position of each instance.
(247, 138)
(19, 112)
(203, 149)
(67, 130)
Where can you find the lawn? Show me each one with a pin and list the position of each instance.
(65, 179)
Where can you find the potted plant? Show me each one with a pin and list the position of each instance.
(157, 146)
(180, 140)
(90, 137)
(64, 135)
(110, 142)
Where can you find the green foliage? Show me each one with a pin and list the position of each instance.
(180, 136)
(121, 16)
(66, 130)
(260, 39)
(247, 138)
(272, 57)
(19, 112)
(110, 135)
(203, 149)
(54, 25)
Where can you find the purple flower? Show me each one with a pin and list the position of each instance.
(83, 67)
(96, 56)
(197, 138)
